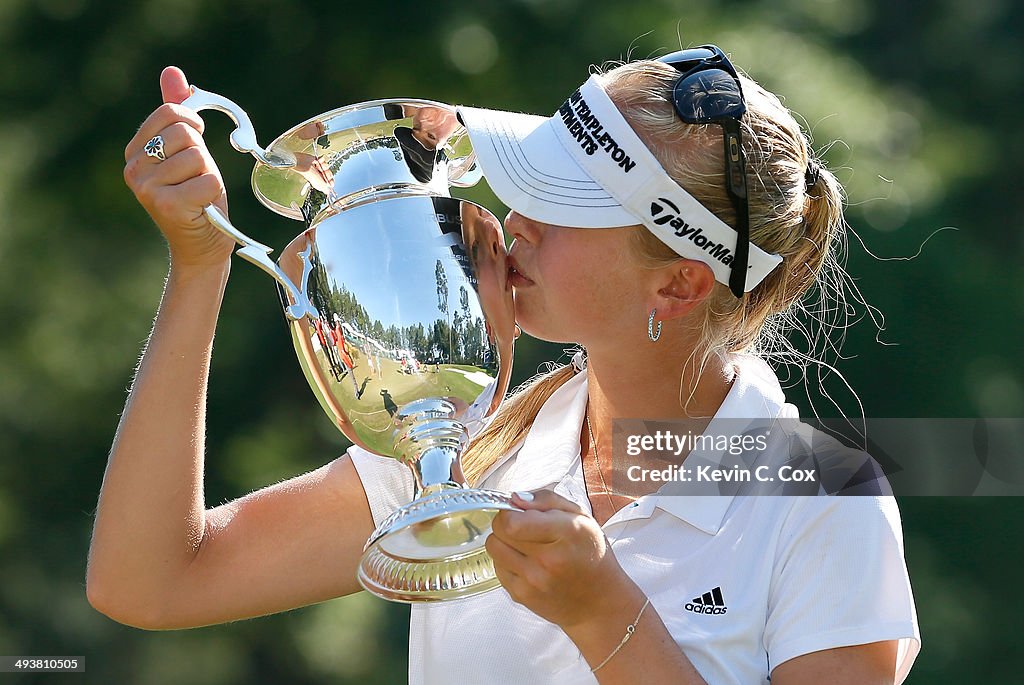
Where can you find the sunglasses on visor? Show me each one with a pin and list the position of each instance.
(708, 92)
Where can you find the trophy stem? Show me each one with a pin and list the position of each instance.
(437, 487)
(431, 443)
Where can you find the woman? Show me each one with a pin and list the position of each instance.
(674, 160)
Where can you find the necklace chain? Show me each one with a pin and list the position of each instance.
(597, 458)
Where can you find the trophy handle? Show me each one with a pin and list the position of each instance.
(257, 253)
(243, 138)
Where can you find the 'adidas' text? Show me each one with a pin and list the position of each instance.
(711, 602)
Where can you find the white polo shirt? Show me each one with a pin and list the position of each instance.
(776, 576)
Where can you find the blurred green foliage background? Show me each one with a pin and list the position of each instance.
(914, 102)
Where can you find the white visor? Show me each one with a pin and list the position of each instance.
(585, 167)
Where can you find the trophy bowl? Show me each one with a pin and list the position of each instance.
(398, 302)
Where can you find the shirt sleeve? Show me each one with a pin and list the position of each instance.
(840, 579)
(387, 482)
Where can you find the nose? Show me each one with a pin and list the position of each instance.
(521, 228)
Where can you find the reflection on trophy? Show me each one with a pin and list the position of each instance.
(400, 310)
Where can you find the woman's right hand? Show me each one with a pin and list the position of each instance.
(176, 190)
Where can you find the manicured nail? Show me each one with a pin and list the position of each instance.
(525, 496)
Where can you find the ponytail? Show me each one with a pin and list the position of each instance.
(512, 422)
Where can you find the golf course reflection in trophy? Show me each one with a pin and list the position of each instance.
(400, 310)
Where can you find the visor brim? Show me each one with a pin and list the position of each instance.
(528, 168)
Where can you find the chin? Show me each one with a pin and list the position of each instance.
(545, 333)
(538, 322)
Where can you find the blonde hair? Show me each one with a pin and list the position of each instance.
(792, 213)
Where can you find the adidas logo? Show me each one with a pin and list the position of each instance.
(710, 602)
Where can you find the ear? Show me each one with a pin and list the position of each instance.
(682, 286)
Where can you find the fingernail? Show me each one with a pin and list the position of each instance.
(525, 496)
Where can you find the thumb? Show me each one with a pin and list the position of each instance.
(173, 85)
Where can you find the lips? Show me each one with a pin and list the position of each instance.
(515, 276)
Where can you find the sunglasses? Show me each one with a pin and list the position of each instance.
(708, 92)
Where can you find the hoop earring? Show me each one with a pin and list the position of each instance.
(650, 328)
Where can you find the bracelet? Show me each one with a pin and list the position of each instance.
(630, 629)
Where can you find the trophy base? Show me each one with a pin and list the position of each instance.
(433, 548)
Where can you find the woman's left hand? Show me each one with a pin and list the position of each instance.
(554, 559)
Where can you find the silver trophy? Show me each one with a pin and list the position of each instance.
(400, 310)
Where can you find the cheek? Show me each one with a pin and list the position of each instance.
(570, 277)
(615, 292)
(587, 285)
(590, 291)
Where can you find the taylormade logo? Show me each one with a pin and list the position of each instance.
(589, 132)
(685, 230)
